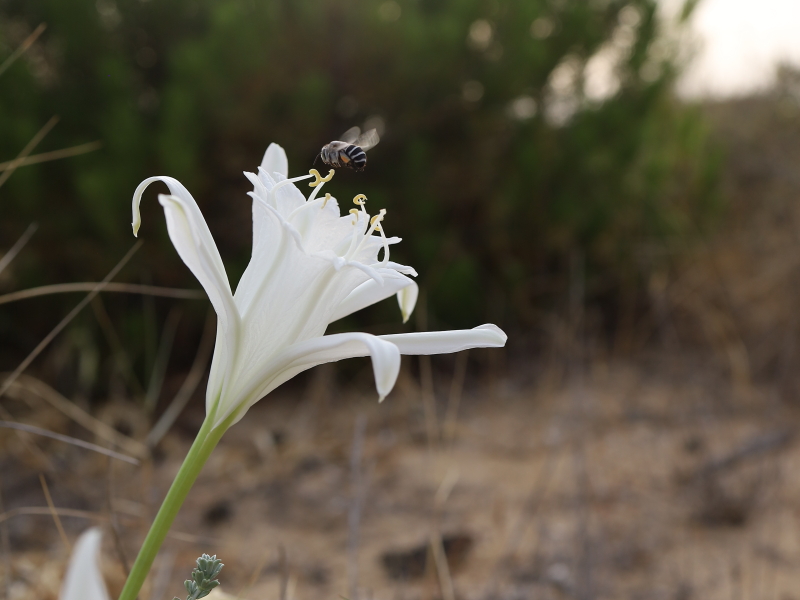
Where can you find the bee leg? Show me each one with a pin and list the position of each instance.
(315, 161)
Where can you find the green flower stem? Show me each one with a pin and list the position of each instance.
(206, 440)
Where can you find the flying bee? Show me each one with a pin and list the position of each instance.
(351, 150)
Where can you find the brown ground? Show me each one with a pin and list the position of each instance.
(652, 480)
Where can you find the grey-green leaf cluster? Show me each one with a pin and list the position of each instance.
(204, 577)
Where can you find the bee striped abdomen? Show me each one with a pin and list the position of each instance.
(351, 153)
(358, 158)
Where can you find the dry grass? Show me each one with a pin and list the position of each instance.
(640, 499)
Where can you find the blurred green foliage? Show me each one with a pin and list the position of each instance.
(504, 154)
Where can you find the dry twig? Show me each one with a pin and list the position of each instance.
(189, 385)
(127, 288)
(66, 320)
(67, 439)
(20, 243)
(454, 399)
(117, 347)
(46, 511)
(112, 518)
(283, 563)
(162, 358)
(22, 48)
(53, 155)
(426, 379)
(283, 567)
(5, 538)
(751, 448)
(356, 504)
(26, 440)
(53, 512)
(31, 385)
(163, 575)
(40, 135)
(437, 544)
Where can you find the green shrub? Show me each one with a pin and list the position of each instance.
(495, 165)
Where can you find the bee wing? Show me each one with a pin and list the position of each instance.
(368, 139)
(351, 135)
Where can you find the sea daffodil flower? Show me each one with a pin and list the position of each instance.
(310, 266)
(83, 580)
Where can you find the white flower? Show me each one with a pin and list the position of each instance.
(83, 580)
(310, 266)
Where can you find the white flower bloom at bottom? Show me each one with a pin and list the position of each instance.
(310, 266)
(83, 580)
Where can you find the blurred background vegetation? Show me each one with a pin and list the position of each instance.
(639, 248)
(522, 142)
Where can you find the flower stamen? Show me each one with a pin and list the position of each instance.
(361, 201)
(318, 179)
(271, 197)
(327, 197)
(385, 245)
(375, 225)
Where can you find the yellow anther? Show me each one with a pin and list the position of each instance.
(318, 179)
(327, 197)
(359, 200)
(375, 222)
(354, 212)
(378, 217)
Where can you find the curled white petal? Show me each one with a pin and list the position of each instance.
(275, 160)
(405, 270)
(199, 257)
(444, 342)
(370, 292)
(316, 351)
(191, 237)
(84, 580)
(407, 299)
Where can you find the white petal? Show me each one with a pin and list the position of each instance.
(219, 367)
(286, 296)
(370, 292)
(405, 270)
(304, 355)
(329, 348)
(202, 259)
(192, 239)
(275, 161)
(83, 580)
(444, 342)
(282, 195)
(407, 298)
